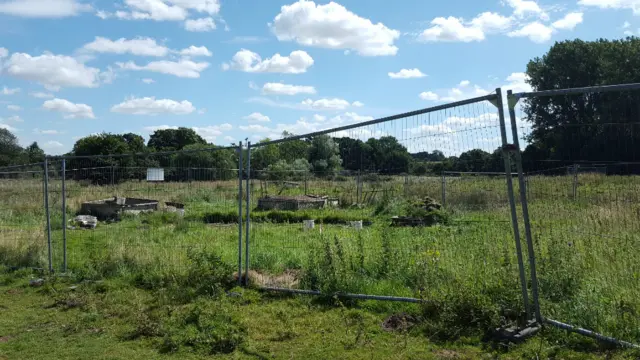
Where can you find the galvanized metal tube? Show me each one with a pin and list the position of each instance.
(591, 334)
(384, 119)
(344, 295)
(240, 213)
(248, 221)
(581, 90)
(46, 209)
(64, 216)
(525, 208)
(512, 205)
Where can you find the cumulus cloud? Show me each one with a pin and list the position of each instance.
(142, 46)
(429, 96)
(43, 8)
(527, 7)
(9, 91)
(41, 95)
(257, 117)
(535, 31)
(200, 25)
(195, 51)
(326, 104)
(183, 68)
(518, 82)
(452, 29)
(69, 109)
(163, 10)
(460, 92)
(211, 133)
(286, 89)
(245, 60)
(333, 26)
(151, 106)
(3, 52)
(407, 74)
(569, 21)
(52, 71)
(633, 5)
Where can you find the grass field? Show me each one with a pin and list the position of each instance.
(467, 268)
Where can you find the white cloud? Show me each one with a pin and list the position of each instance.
(69, 109)
(148, 81)
(626, 25)
(8, 127)
(407, 74)
(569, 21)
(286, 89)
(53, 71)
(254, 128)
(326, 104)
(12, 119)
(200, 25)
(451, 29)
(319, 118)
(13, 108)
(163, 10)
(195, 51)
(526, 7)
(429, 96)
(8, 91)
(138, 46)
(46, 132)
(256, 116)
(152, 129)
(245, 60)
(41, 95)
(183, 68)
(357, 104)
(3, 52)
(491, 22)
(151, 106)
(333, 26)
(633, 5)
(518, 82)
(229, 139)
(464, 83)
(43, 8)
(52, 145)
(535, 31)
(211, 133)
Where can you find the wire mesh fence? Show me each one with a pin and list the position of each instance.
(354, 221)
(582, 164)
(153, 211)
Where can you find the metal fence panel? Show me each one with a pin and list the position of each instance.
(583, 224)
(360, 226)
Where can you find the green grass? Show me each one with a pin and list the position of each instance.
(586, 248)
(113, 320)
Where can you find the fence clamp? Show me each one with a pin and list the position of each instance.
(510, 147)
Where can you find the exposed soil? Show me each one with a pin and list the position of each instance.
(398, 322)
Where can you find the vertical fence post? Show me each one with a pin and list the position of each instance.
(46, 209)
(512, 101)
(443, 187)
(240, 171)
(64, 216)
(248, 221)
(358, 187)
(306, 185)
(512, 203)
(113, 175)
(575, 182)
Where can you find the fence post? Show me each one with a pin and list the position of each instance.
(64, 216)
(359, 188)
(512, 203)
(248, 221)
(575, 182)
(444, 188)
(113, 175)
(240, 213)
(512, 101)
(46, 209)
(306, 186)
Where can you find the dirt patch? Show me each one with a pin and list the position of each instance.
(4, 339)
(14, 291)
(398, 322)
(288, 279)
(446, 354)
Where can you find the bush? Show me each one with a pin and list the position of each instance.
(281, 217)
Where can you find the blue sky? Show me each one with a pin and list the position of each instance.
(237, 68)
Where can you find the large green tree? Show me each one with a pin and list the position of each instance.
(174, 139)
(593, 126)
(389, 156)
(10, 150)
(324, 155)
